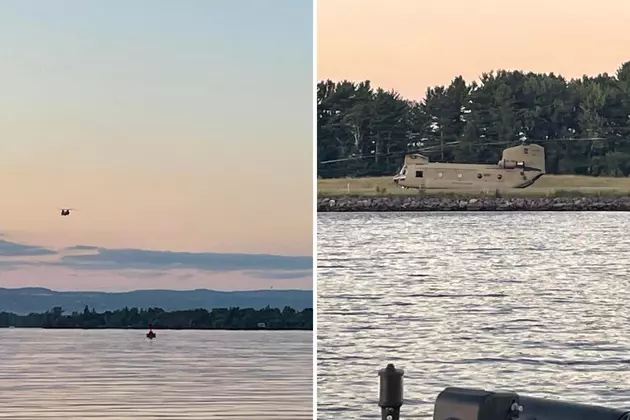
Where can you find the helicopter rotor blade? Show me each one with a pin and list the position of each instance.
(430, 148)
(435, 147)
(424, 149)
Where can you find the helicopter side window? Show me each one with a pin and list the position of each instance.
(419, 174)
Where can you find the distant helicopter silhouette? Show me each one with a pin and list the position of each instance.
(66, 212)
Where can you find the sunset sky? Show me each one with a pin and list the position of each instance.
(173, 127)
(408, 45)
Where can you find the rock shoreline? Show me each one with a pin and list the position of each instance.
(435, 203)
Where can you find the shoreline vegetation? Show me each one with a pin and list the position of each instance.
(159, 319)
(546, 186)
(550, 193)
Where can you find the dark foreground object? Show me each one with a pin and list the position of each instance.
(428, 203)
(476, 404)
(390, 396)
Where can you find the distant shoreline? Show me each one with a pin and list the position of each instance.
(423, 203)
(158, 319)
(27, 300)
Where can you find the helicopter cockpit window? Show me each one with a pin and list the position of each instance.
(403, 171)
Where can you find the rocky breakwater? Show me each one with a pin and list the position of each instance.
(437, 203)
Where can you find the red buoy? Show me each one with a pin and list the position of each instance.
(151, 334)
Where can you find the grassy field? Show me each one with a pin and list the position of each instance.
(548, 185)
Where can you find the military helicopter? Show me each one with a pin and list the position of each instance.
(519, 167)
(66, 212)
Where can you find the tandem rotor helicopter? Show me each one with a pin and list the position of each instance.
(66, 212)
(519, 167)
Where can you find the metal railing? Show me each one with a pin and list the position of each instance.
(477, 404)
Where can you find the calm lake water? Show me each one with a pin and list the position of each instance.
(119, 374)
(530, 302)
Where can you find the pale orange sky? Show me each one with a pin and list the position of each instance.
(408, 45)
(164, 126)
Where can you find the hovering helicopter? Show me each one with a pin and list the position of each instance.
(66, 212)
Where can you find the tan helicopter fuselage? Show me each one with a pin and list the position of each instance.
(519, 167)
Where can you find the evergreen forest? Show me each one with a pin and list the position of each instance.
(218, 318)
(584, 124)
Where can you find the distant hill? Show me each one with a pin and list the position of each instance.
(36, 299)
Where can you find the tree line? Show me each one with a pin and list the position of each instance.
(365, 131)
(218, 318)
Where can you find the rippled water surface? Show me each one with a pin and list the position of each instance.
(531, 302)
(119, 374)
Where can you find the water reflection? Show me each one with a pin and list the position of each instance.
(532, 302)
(114, 374)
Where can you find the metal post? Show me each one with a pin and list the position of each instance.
(390, 397)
